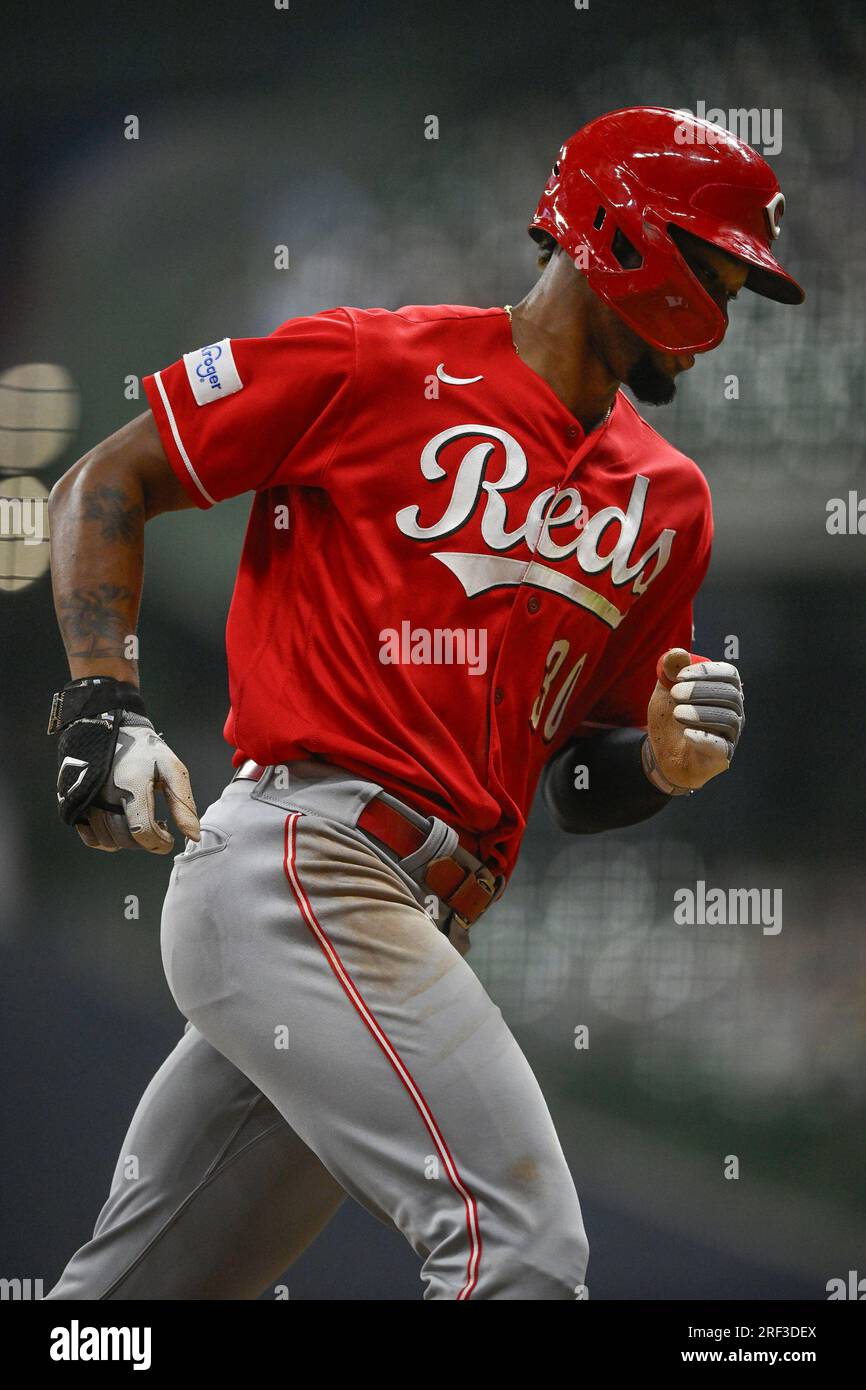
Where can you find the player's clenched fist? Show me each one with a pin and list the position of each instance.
(111, 763)
(694, 721)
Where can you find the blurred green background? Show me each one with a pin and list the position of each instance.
(305, 127)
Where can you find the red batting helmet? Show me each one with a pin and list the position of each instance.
(623, 181)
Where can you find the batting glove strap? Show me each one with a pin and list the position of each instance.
(93, 698)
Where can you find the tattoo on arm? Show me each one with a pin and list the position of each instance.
(96, 621)
(120, 520)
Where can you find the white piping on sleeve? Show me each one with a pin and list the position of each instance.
(157, 376)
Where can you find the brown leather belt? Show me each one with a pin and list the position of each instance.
(460, 880)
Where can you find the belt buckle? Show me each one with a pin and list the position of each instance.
(249, 771)
(489, 883)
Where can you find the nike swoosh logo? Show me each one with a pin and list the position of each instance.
(455, 380)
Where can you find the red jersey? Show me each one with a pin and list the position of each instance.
(443, 577)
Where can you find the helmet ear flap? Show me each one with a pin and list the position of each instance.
(627, 254)
(624, 252)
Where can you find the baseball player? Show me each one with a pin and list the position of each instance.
(469, 570)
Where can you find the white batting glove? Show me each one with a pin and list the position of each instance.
(143, 764)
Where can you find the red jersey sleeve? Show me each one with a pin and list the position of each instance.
(249, 413)
(668, 621)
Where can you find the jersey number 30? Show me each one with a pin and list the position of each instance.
(556, 659)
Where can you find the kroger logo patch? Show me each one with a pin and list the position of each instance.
(212, 372)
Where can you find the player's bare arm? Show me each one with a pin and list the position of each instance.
(98, 513)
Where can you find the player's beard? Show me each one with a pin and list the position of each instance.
(649, 383)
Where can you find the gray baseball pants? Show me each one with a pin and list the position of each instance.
(336, 1043)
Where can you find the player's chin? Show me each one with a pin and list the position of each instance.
(652, 378)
